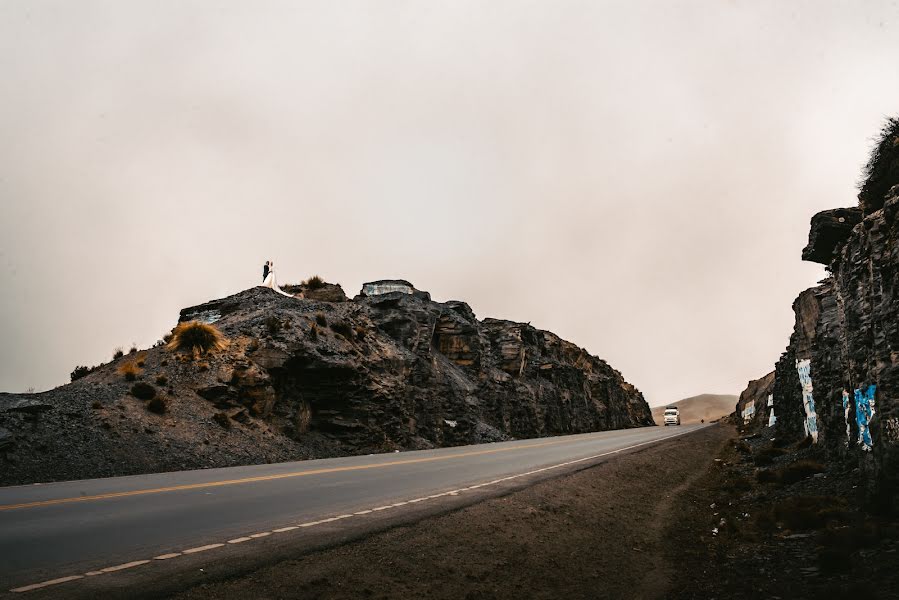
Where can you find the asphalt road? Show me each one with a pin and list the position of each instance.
(52, 535)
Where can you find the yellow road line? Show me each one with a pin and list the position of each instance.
(195, 486)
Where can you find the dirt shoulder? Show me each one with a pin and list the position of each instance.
(597, 533)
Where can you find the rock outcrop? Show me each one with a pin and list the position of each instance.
(307, 377)
(838, 380)
(754, 406)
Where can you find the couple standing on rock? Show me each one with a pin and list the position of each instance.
(269, 280)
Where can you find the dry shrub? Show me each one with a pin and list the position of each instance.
(836, 545)
(143, 391)
(321, 320)
(158, 405)
(810, 512)
(82, 371)
(273, 325)
(800, 470)
(791, 473)
(203, 366)
(804, 443)
(195, 336)
(133, 349)
(767, 455)
(343, 329)
(161, 380)
(313, 332)
(742, 447)
(314, 283)
(222, 419)
(130, 370)
(118, 353)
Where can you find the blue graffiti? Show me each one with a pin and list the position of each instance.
(864, 412)
(804, 370)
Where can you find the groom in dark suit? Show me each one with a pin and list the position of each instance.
(265, 271)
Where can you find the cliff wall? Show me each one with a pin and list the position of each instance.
(838, 380)
(310, 377)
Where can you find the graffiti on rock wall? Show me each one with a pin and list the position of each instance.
(804, 369)
(748, 413)
(846, 408)
(864, 412)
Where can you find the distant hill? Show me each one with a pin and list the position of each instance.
(703, 406)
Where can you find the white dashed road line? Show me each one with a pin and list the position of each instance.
(202, 548)
(38, 586)
(262, 534)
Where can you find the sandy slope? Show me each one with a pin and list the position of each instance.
(704, 406)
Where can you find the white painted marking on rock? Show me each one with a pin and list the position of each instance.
(202, 548)
(43, 584)
(167, 556)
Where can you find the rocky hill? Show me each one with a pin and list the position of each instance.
(704, 407)
(314, 376)
(838, 381)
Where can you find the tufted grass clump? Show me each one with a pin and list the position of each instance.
(196, 336)
(129, 370)
(343, 329)
(314, 283)
(321, 319)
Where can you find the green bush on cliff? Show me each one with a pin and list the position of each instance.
(882, 170)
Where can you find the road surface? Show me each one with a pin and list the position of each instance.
(96, 532)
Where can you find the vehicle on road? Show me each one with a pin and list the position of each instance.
(672, 415)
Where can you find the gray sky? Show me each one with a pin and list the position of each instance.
(637, 177)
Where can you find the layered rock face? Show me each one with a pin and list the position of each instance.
(754, 406)
(838, 381)
(398, 370)
(314, 377)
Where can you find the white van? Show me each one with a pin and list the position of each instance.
(672, 415)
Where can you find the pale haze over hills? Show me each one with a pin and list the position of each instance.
(695, 408)
(503, 153)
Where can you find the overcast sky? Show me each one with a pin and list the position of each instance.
(637, 177)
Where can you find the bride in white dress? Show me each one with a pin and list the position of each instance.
(272, 282)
